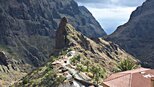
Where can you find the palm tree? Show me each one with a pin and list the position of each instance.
(126, 64)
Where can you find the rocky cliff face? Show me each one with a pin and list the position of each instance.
(89, 26)
(137, 35)
(27, 30)
(47, 14)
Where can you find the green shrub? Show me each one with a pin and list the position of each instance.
(82, 68)
(63, 52)
(69, 50)
(75, 59)
(25, 81)
(98, 72)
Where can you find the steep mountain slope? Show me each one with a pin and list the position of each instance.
(89, 26)
(27, 30)
(46, 15)
(77, 57)
(137, 35)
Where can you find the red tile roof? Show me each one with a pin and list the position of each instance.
(134, 78)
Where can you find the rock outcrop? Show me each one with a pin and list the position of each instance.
(61, 34)
(137, 35)
(3, 59)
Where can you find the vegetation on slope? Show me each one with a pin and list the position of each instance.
(126, 64)
(45, 76)
(91, 68)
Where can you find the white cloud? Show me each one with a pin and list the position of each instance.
(111, 13)
(127, 3)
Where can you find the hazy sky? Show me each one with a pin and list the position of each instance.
(111, 13)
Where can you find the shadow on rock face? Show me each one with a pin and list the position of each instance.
(3, 59)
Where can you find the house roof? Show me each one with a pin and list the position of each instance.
(134, 78)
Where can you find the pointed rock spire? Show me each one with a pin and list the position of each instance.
(61, 33)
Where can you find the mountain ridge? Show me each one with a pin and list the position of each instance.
(136, 36)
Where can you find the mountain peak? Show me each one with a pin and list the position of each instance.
(63, 21)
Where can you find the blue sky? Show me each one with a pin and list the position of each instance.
(111, 13)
